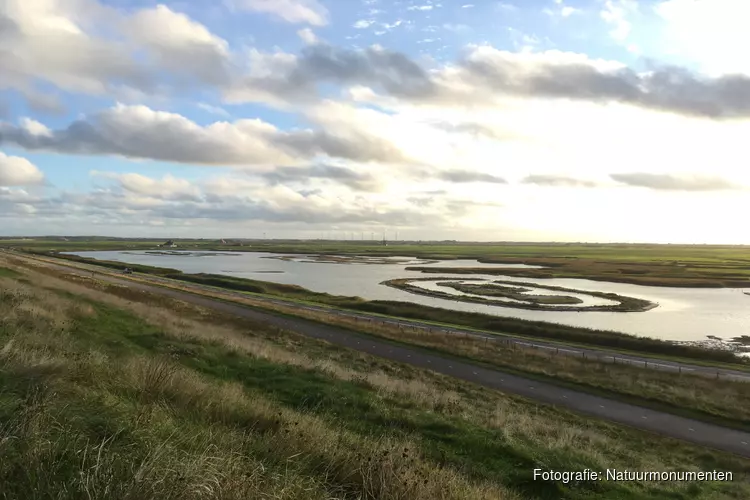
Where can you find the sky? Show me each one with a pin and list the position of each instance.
(534, 120)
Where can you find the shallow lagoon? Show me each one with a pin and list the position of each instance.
(683, 313)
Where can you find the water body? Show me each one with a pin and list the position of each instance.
(685, 314)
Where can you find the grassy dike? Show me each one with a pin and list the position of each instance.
(498, 324)
(108, 392)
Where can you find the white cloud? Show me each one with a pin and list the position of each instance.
(78, 62)
(17, 171)
(421, 7)
(308, 36)
(615, 13)
(168, 187)
(214, 110)
(568, 11)
(179, 43)
(394, 24)
(363, 23)
(291, 11)
(84, 46)
(34, 127)
(715, 34)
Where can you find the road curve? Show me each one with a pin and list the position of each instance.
(693, 431)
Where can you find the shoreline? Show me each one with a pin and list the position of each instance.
(626, 304)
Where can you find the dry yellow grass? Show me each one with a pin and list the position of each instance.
(201, 438)
(431, 391)
(222, 459)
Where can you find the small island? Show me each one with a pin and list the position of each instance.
(509, 292)
(517, 292)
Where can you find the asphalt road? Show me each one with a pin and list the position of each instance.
(666, 424)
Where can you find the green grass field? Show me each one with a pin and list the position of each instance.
(112, 393)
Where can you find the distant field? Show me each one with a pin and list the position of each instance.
(650, 265)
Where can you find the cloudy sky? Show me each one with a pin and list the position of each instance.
(573, 120)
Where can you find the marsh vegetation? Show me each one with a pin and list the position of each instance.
(521, 300)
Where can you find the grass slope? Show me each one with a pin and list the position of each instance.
(110, 393)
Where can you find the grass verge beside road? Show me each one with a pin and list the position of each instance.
(111, 393)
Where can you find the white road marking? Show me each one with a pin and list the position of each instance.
(691, 429)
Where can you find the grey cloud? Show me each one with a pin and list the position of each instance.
(666, 182)
(353, 145)
(48, 104)
(460, 208)
(355, 180)
(465, 176)
(557, 181)
(309, 208)
(392, 71)
(422, 201)
(666, 88)
(257, 211)
(486, 74)
(139, 132)
(235, 208)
